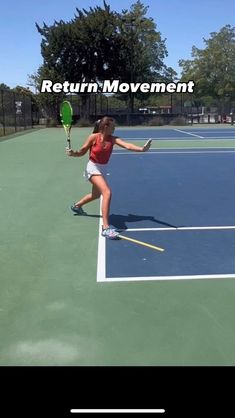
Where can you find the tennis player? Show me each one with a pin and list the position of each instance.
(100, 145)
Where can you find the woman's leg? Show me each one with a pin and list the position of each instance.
(95, 194)
(102, 187)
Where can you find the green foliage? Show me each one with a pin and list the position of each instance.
(83, 49)
(84, 123)
(48, 102)
(51, 123)
(213, 68)
(156, 121)
(22, 90)
(4, 87)
(178, 121)
(99, 44)
(142, 50)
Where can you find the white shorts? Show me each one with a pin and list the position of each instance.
(95, 169)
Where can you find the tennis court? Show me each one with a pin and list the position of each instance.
(70, 297)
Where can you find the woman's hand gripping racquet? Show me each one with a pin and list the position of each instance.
(66, 115)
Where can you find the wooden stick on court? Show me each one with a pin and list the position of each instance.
(145, 244)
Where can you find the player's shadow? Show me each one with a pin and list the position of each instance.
(87, 215)
(120, 221)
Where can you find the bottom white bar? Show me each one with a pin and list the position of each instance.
(117, 411)
(151, 278)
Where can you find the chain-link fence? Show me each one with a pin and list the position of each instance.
(15, 112)
(174, 109)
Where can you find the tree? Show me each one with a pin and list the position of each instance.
(143, 49)
(3, 86)
(101, 44)
(213, 68)
(49, 103)
(83, 50)
(23, 91)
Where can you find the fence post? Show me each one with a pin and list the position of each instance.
(24, 110)
(3, 115)
(14, 107)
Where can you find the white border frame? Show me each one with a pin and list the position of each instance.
(101, 257)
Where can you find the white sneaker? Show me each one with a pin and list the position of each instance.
(110, 233)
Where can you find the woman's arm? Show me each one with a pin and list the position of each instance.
(86, 146)
(132, 147)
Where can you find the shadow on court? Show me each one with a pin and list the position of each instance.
(119, 221)
(87, 215)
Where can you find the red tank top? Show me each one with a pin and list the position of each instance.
(100, 153)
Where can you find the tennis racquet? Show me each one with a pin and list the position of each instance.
(66, 115)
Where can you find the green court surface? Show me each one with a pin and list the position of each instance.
(52, 309)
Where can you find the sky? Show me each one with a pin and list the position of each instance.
(183, 23)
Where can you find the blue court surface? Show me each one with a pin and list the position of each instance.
(176, 133)
(180, 200)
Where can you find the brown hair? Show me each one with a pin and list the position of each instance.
(100, 124)
(96, 126)
(105, 121)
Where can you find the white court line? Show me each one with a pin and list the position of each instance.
(101, 260)
(229, 133)
(144, 138)
(156, 278)
(159, 152)
(161, 138)
(188, 133)
(209, 138)
(229, 148)
(175, 139)
(118, 411)
(101, 271)
(182, 228)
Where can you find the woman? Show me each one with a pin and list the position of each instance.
(100, 144)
